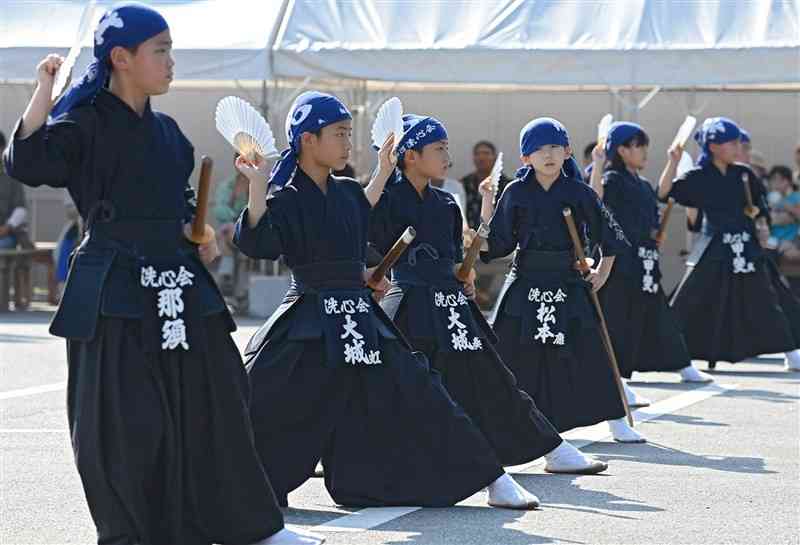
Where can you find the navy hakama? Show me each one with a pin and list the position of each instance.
(380, 420)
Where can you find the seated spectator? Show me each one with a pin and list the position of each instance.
(67, 241)
(13, 209)
(484, 154)
(784, 199)
(230, 198)
(587, 154)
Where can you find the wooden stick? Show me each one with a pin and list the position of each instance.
(202, 233)
(751, 211)
(612, 357)
(472, 253)
(391, 257)
(661, 235)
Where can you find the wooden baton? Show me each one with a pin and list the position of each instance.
(612, 357)
(391, 257)
(202, 233)
(472, 253)
(751, 210)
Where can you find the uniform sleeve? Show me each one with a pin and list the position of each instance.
(50, 156)
(603, 227)
(611, 190)
(687, 189)
(503, 230)
(381, 228)
(759, 192)
(271, 237)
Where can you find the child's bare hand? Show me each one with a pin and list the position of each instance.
(46, 70)
(254, 171)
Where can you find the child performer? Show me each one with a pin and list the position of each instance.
(431, 307)
(644, 329)
(548, 329)
(157, 397)
(728, 307)
(332, 377)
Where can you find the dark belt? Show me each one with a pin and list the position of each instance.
(139, 237)
(541, 261)
(710, 229)
(328, 275)
(425, 273)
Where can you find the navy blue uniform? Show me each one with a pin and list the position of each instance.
(643, 327)
(428, 305)
(157, 407)
(548, 329)
(332, 366)
(728, 303)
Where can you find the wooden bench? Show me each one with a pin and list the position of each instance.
(11, 260)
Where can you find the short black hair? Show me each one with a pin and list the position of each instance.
(3, 141)
(783, 170)
(587, 151)
(638, 139)
(485, 144)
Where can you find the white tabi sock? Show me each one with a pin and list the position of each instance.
(565, 458)
(792, 361)
(623, 433)
(634, 400)
(506, 492)
(691, 374)
(289, 537)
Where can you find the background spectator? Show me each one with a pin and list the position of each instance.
(784, 199)
(484, 154)
(13, 208)
(230, 199)
(587, 154)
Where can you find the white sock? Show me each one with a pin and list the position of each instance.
(634, 400)
(566, 458)
(691, 374)
(792, 362)
(506, 492)
(289, 537)
(623, 433)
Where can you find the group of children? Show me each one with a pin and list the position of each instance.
(401, 388)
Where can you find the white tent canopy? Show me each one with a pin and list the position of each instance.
(666, 43)
(213, 39)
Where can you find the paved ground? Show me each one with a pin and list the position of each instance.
(722, 466)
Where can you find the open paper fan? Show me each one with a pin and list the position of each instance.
(245, 129)
(388, 120)
(497, 170)
(685, 131)
(603, 127)
(65, 71)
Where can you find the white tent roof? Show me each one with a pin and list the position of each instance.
(525, 42)
(544, 42)
(213, 39)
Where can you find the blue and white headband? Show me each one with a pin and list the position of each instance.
(545, 131)
(418, 132)
(715, 130)
(126, 25)
(310, 112)
(619, 133)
